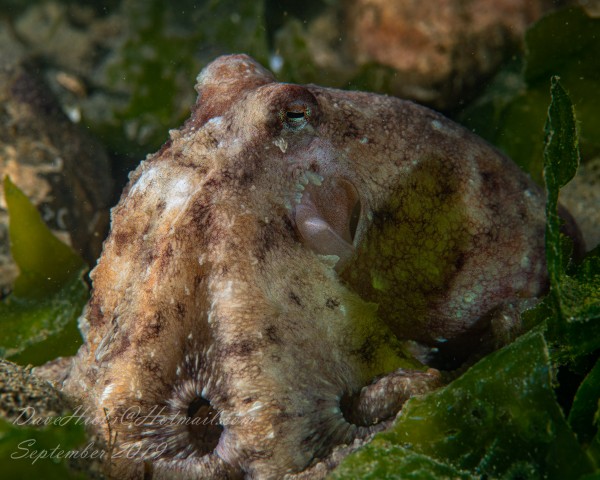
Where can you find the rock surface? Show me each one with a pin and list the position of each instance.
(436, 53)
(59, 166)
(582, 198)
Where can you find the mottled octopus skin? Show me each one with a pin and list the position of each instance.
(212, 290)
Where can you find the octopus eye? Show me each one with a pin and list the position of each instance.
(295, 117)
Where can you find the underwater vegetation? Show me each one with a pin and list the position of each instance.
(529, 410)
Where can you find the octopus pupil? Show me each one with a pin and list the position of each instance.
(295, 115)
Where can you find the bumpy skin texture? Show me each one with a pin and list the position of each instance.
(267, 262)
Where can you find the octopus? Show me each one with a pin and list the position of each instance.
(283, 274)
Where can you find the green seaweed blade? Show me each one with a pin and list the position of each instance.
(38, 319)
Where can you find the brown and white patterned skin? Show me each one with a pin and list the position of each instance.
(238, 275)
